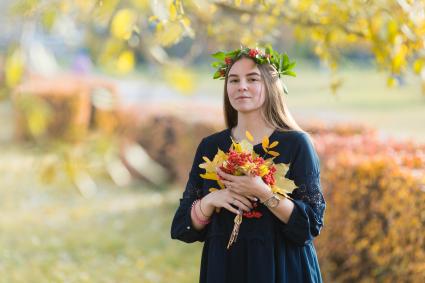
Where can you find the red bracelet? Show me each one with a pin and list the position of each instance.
(204, 222)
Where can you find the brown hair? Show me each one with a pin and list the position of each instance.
(274, 111)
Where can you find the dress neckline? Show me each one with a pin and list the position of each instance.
(229, 135)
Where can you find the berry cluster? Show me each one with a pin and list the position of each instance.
(240, 163)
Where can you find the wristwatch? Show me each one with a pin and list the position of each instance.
(272, 202)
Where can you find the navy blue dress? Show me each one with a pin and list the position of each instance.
(267, 250)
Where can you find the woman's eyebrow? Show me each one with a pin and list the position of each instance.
(249, 74)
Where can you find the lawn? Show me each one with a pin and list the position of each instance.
(53, 234)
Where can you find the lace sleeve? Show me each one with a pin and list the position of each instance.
(310, 193)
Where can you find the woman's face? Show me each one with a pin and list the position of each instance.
(245, 87)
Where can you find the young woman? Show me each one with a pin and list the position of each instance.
(276, 247)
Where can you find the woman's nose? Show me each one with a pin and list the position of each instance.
(243, 86)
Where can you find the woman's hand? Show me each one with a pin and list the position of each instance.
(226, 199)
(249, 186)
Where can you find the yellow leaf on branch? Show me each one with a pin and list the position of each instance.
(14, 68)
(418, 65)
(169, 33)
(265, 143)
(125, 62)
(273, 153)
(122, 23)
(273, 144)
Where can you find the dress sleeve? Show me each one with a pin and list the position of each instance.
(306, 219)
(181, 227)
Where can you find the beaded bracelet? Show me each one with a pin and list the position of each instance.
(204, 222)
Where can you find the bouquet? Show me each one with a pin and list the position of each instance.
(241, 159)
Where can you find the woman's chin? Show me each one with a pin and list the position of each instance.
(244, 110)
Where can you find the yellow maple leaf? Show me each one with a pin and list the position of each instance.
(283, 185)
(210, 166)
(210, 176)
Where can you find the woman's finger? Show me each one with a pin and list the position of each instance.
(231, 208)
(243, 200)
(240, 204)
(226, 176)
(253, 198)
(234, 187)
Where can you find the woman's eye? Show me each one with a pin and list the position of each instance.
(233, 81)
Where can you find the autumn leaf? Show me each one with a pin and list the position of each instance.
(265, 143)
(210, 166)
(122, 23)
(14, 68)
(209, 176)
(236, 146)
(273, 144)
(249, 136)
(273, 153)
(125, 62)
(283, 185)
(220, 183)
(264, 170)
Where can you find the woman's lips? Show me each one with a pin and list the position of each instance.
(242, 97)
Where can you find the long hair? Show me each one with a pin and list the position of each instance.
(275, 112)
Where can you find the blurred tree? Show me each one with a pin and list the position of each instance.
(117, 31)
(173, 33)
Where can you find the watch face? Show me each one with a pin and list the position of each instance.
(273, 202)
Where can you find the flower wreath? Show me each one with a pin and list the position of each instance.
(280, 62)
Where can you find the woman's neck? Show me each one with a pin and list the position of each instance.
(254, 123)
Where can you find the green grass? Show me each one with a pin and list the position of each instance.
(53, 234)
(363, 98)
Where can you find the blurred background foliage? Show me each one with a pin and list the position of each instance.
(120, 34)
(102, 104)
